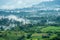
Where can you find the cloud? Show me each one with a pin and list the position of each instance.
(13, 17)
(7, 7)
(20, 3)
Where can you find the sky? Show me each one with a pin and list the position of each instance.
(11, 4)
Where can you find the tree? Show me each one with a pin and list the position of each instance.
(1, 28)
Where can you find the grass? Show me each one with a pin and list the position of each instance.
(44, 35)
(51, 29)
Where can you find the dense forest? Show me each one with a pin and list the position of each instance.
(43, 26)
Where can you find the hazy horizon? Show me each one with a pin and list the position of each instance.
(11, 4)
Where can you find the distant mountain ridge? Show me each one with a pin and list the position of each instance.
(50, 5)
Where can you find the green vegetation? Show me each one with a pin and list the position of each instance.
(32, 33)
(51, 29)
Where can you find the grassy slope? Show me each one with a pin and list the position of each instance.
(14, 35)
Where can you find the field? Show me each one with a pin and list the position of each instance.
(44, 33)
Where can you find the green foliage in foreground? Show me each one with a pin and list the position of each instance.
(45, 33)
